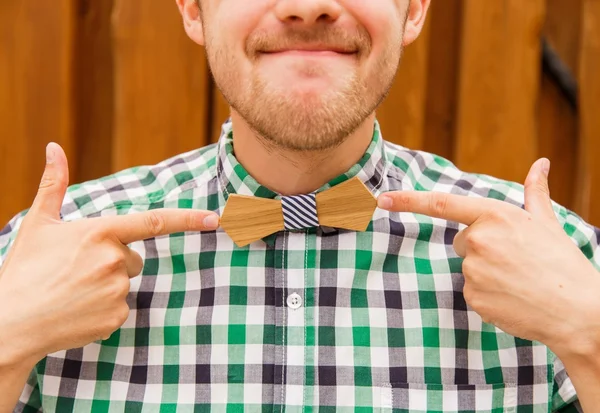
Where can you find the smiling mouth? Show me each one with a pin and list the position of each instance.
(309, 53)
(315, 49)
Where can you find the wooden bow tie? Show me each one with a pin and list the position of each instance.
(349, 205)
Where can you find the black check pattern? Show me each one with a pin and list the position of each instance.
(378, 322)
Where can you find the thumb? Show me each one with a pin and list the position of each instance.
(53, 185)
(537, 192)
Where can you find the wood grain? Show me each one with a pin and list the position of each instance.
(121, 85)
(557, 121)
(499, 87)
(402, 114)
(588, 201)
(161, 85)
(562, 28)
(247, 219)
(94, 92)
(349, 205)
(36, 99)
(442, 77)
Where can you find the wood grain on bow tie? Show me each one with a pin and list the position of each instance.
(349, 205)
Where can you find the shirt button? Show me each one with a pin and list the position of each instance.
(294, 301)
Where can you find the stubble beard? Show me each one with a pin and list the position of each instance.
(309, 122)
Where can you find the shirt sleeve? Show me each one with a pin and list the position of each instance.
(30, 400)
(564, 398)
(586, 236)
(8, 235)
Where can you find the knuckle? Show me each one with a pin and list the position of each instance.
(114, 261)
(120, 288)
(475, 241)
(118, 318)
(155, 223)
(122, 315)
(138, 266)
(538, 186)
(473, 299)
(439, 204)
(499, 216)
(542, 188)
(468, 268)
(47, 181)
(190, 221)
(468, 294)
(92, 234)
(404, 203)
(52, 177)
(459, 239)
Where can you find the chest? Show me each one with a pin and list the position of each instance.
(375, 322)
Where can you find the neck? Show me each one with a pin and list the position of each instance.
(290, 172)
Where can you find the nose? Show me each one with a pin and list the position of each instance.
(307, 11)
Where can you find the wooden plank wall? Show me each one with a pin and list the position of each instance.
(120, 85)
(588, 199)
(36, 97)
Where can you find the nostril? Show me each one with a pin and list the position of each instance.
(325, 17)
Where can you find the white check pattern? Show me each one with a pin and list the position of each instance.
(378, 322)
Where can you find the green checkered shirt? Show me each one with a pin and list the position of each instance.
(302, 321)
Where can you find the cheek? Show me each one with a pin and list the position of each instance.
(234, 20)
(228, 27)
(383, 19)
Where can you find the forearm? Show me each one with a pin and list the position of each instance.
(585, 375)
(17, 357)
(12, 382)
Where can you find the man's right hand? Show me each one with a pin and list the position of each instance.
(64, 285)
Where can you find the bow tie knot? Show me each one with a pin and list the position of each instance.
(349, 205)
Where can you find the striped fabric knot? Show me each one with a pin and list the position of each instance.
(300, 211)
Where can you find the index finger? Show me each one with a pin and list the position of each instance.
(451, 207)
(144, 225)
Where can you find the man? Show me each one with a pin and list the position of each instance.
(449, 301)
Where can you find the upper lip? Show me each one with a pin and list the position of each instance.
(312, 48)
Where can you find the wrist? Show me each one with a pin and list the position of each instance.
(13, 359)
(578, 350)
(576, 332)
(17, 347)
(579, 343)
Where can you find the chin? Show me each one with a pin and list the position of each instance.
(300, 117)
(309, 100)
(306, 127)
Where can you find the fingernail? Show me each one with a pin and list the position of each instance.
(211, 222)
(49, 154)
(384, 202)
(546, 167)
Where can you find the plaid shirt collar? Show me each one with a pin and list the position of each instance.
(234, 179)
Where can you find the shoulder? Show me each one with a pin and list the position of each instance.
(140, 186)
(424, 171)
(131, 189)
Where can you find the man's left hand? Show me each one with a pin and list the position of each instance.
(522, 272)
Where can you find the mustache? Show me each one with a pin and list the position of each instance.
(335, 38)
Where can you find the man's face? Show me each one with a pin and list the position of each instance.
(304, 74)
